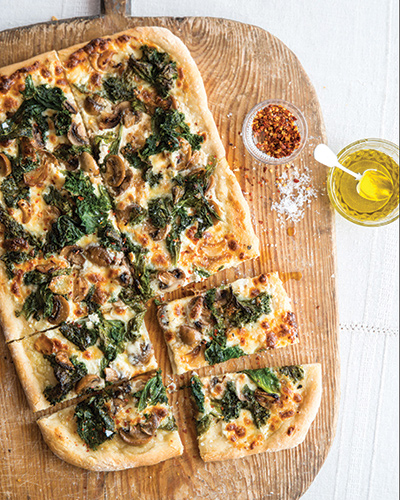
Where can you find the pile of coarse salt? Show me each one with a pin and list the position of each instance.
(296, 192)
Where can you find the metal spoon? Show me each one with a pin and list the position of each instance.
(372, 184)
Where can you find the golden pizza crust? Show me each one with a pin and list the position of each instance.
(290, 434)
(59, 432)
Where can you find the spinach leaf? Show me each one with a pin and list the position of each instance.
(156, 68)
(92, 306)
(197, 393)
(110, 237)
(230, 403)
(112, 337)
(70, 154)
(14, 230)
(79, 334)
(57, 199)
(13, 193)
(215, 353)
(94, 424)
(39, 303)
(160, 212)
(145, 166)
(259, 413)
(266, 379)
(203, 273)
(62, 122)
(142, 275)
(168, 126)
(295, 373)
(153, 393)
(204, 424)
(169, 424)
(63, 232)
(91, 209)
(37, 100)
(66, 376)
(11, 258)
(244, 312)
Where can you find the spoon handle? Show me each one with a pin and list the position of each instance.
(348, 171)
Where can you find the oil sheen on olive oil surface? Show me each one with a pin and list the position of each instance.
(345, 186)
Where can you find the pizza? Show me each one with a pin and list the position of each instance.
(123, 427)
(114, 188)
(144, 105)
(268, 409)
(244, 317)
(79, 357)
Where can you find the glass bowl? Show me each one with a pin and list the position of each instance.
(248, 135)
(381, 145)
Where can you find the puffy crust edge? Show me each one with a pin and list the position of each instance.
(302, 421)
(66, 444)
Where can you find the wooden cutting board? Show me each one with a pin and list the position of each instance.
(241, 65)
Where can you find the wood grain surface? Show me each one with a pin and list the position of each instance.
(241, 65)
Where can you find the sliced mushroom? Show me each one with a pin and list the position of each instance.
(144, 355)
(48, 268)
(111, 120)
(169, 279)
(177, 193)
(196, 308)
(44, 345)
(16, 244)
(69, 107)
(126, 183)
(99, 256)
(196, 351)
(74, 255)
(140, 434)
(265, 399)
(77, 135)
(115, 404)
(80, 289)
(128, 117)
(38, 176)
(90, 381)
(48, 157)
(110, 375)
(115, 171)
(28, 147)
(88, 164)
(103, 60)
(100, 296)
(60, 310)
(26, 210)
(189, 335)
(157, 233)
(5, 165)
(37, 136)
(94, 104)
(62, 359)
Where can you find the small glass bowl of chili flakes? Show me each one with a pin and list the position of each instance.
(275, 132)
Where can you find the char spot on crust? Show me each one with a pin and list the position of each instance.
(233, 245)
(95, 79)
(123, 39)
(45, 73)
(255, 292)
(271, 340)
(290, 431)
(61, 82)
(262, 278)
(98, 44)
(9, 103)
(58, 70)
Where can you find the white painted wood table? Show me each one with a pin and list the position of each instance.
(350, 49)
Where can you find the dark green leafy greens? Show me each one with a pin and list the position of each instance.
(12, 192)
(266, 379)
(153, 393)
(134, 159)
(295, 373)
(36, 101)
(12, 258)
(156, 68)
(94, 424)
(79, 334)
(13, 230)
(63, 232)
(67, 376)
(39, 303)
(197, 393)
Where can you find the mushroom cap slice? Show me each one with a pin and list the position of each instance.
(90, 381)
(99, 256)
(168, 279)
(88, 164)
(73, 254)
(110, 375)
(189, 335)
(115, 171)
(38, 176)
(5, 165)
(26, 210)
(140, 434)
(77, 135)
(80, 289)
(60, 311)
(94, 104)
(44, 345)
(62, 359)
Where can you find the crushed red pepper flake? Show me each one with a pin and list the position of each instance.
(275, 131)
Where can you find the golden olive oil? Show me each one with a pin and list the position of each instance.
(345, 186)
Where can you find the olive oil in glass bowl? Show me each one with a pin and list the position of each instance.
(360, 156)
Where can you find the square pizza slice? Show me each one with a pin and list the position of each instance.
(124, 427)
(81, 356)
(268, 409)
(144, 104)
(245, 317)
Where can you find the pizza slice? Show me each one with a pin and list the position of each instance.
(120, 428)
(248, 316)
(269, 409)
(50, 183)
(145, 107)
(39, 292)
(81, 356)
